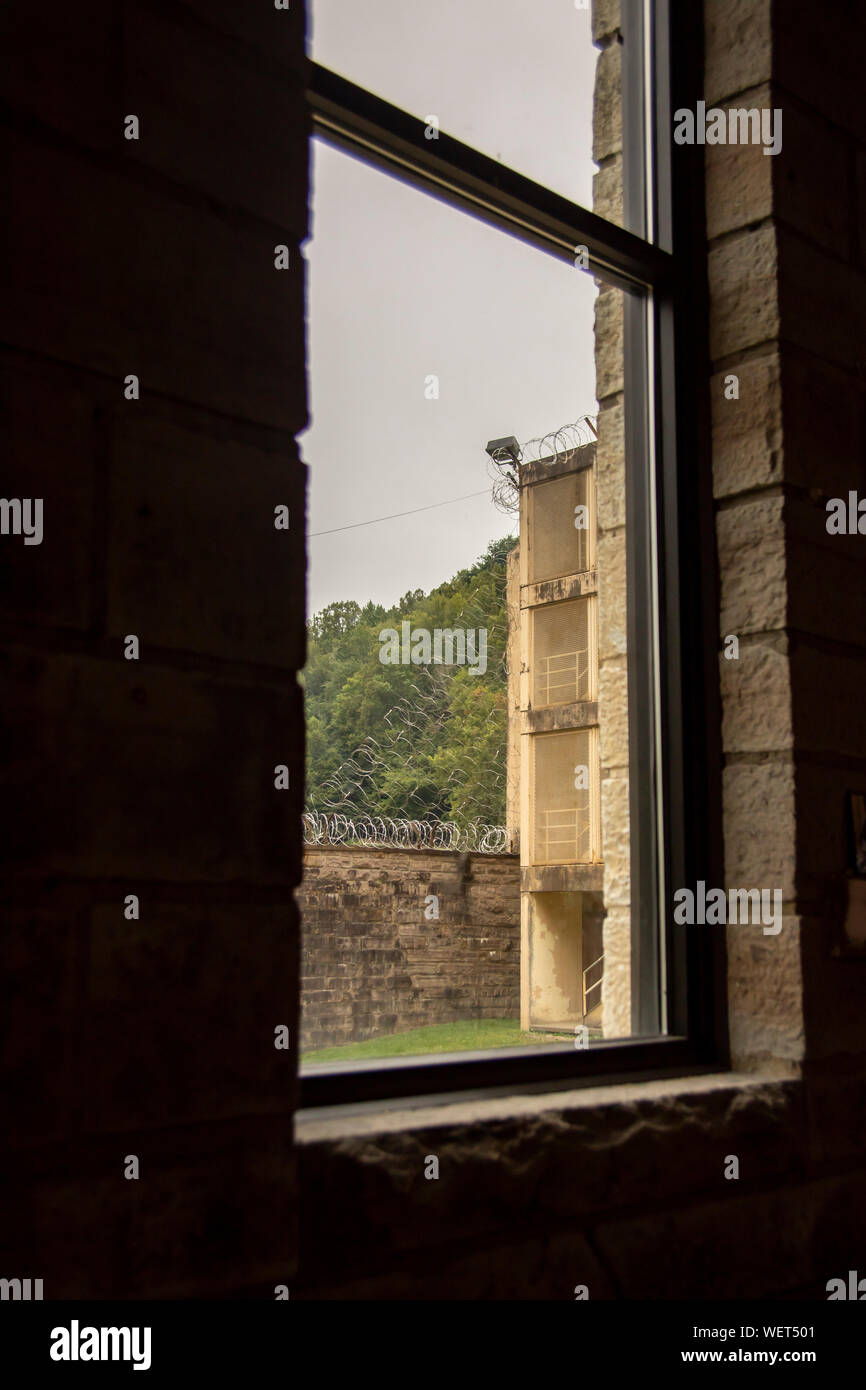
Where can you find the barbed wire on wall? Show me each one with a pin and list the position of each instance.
(335, 828)
(504, 470)
(575, 435)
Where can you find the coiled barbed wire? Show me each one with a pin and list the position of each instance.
(335, 828)
(504, 470)
(566, 439)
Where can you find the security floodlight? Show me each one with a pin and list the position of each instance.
(502, 449)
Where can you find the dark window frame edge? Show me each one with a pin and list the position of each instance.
(368, 127)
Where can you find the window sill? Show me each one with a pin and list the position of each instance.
(366, 1120)
(624, 1189)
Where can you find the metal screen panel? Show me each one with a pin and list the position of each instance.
(559, 810)
(558, 546)
(560, 653)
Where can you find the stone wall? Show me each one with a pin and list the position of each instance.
(613, 710)
(512, 661)
(373, 962)
(787, 278)
(152, 1035)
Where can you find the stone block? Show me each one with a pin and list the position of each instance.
(616, 990)
(607, 104)
(549, 1268)
(274, 35)
(825, 411)
(738, 47)
(613, 712)
(765, 992)
(759, 826)
(608, 343)
(612, 595)
(632, 1149)
(143, 281)
(756, 699)
(606, 18)
(193, 513)
(128, 771)
(194, 949)
(181, 1230)
(827, 577)
(749, 450)
(45, 60)
(822, 836)
(744, 301)
(607, 190)
(822, 66)
(616, 848)
(743, 1245)
(812, 183)
(610, 466)
(834, 1040)
(752, 566)
(837, 1088)
(828, 706)
(739, 178)
(822, 300)
(43, 946)
(51, 584)
(215, 117)
(176, 1025)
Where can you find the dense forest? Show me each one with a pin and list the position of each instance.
(413, 741)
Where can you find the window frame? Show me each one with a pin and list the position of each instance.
(659, 260)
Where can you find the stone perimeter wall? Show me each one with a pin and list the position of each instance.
(373, 963)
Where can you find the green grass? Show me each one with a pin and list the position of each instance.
(441, 1037)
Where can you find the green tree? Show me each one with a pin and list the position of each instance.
(410, 741)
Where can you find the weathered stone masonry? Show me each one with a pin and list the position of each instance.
(374, 963)
(152, 777)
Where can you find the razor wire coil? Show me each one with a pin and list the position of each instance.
(337, 828)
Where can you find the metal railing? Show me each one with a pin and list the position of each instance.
(587, 989)
(562, 837)
(568, 671)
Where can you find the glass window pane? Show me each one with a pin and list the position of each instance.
(467, 876)
(518, 82)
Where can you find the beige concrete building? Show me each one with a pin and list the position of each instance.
(557, 798)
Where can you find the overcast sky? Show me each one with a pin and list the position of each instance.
(402, 287)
